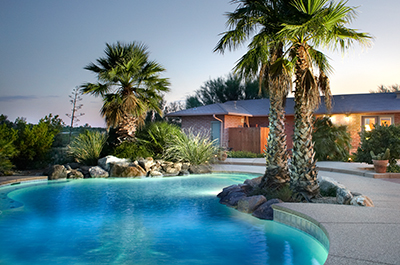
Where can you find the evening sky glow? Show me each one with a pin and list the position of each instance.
(45, 44)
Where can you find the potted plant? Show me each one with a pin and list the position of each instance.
(380, 161)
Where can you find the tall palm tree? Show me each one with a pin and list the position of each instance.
(320, 23)
(264, 19)
(130, 85)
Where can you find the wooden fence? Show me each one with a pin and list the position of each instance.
(252, 139)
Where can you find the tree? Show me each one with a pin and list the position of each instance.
(319, 23)
(221, 90)
(387, 89)
(130, 85)
(74, 99)
(263, 20)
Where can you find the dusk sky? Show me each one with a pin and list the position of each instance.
(46, 43)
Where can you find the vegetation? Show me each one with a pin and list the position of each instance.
(244, 154)
(196, 149)
(387, 89)
(86, 148)
(7, 149)
(130, 85)
(331, 142)
(221, 90)
(132, 151)
(381, 156)
(378, 140)
(74, 116)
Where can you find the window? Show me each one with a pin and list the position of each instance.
(369, 122)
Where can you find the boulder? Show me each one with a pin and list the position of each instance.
(265, 211)
(362, 200)
(85, 171)
(154, 174)
(327, 184)
(147, 164)
(105, 162)
(225, 191)
(126, 171)
(184, 173)
(254, 182)
(98, 172)
(200, 169)
(56, 172)
(232, 198)
(249, 204)
(74, 174)
(343, 195)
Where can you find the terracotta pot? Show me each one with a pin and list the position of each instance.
(380, 165)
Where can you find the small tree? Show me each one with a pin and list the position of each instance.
(74, 99)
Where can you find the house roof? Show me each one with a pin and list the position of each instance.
(350, 103)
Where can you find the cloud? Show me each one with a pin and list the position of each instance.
(15, 98)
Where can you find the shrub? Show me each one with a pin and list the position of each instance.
(244, 154)
(331, 142)
(196, 149)
(155, 135)
(86, 148)
(378, 140)
(7, 149)
(132, 150)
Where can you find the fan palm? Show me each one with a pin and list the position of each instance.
(320, 23)
(130, 85)
(264, 58)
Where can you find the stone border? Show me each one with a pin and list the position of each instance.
(302, 222)
(16, 181)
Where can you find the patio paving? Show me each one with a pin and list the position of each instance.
(357, 235)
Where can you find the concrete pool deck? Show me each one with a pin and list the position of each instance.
(357, 235)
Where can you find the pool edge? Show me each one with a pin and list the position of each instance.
(302, 222)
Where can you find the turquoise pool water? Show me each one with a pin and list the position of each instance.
(142, 221)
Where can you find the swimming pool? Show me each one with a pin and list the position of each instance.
(143, 221)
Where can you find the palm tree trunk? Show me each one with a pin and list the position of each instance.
(126, 128)
(303, 169)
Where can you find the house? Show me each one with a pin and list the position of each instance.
(222, 120)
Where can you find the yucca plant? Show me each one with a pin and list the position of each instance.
(86, 148)
(196, 149)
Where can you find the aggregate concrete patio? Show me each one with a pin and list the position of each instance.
(357, 235)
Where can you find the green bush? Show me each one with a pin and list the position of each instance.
(132, 150)
(378, 140)
(155, 136)
(7, 149)
(331, 142)
(86, 148)
(393, 169)
(196, 149)
(244, 154)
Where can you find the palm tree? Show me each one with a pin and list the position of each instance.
(264, 18)
(320, 23)
(130, 85)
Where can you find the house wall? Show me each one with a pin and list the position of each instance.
(198, 124)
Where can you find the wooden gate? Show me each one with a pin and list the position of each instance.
(252, 139)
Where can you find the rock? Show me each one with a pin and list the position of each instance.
(126, 171)
(56, 172)
(327, 184)
(343, 195)
(265, 211)
(105, 162)
(225, 191)
(249, 204)
(85, 171)
(72, 165)
(254, 182)
(184, 173)
(200, 169)
(74, 174)
(232, 198)
(147, 163)
(98, 172)
(185, 166)
(155, 174)
(362, 200)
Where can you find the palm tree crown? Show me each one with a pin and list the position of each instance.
(129, 83)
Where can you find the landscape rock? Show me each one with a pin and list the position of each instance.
(327, 184)
(155, 174)
(98, 172)
(106, 162)
(254, 182)
(56, 172)
(74, 174)
(343, 195)
(184, 173)
(249, 204)
(265, 211)
(362, 200)
(225, 191)
(85, 171)
(200, 169)
(147, 164)
(126, 171)
(232, 198)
